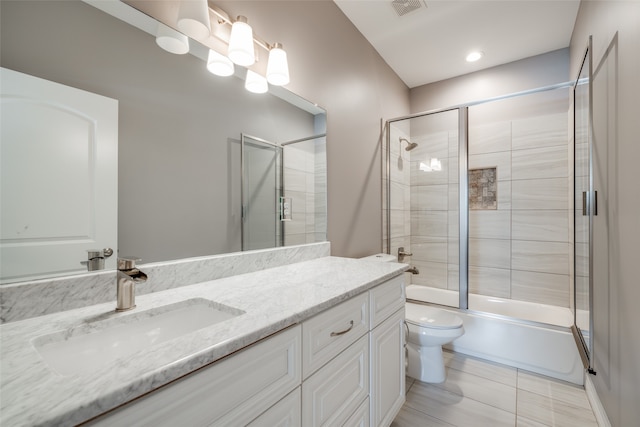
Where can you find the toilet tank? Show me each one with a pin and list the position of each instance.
(381, 258)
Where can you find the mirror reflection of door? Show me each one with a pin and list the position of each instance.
(59, 154)
(261, 191)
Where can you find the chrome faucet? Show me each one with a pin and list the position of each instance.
(128, 276)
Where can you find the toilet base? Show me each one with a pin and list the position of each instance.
(425, 364)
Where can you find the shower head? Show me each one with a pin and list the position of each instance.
(410, 145)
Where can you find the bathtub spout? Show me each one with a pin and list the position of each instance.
(413, 270)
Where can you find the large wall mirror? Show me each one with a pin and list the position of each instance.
(179, 135)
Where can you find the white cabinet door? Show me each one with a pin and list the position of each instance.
(333, 393)
(59, 177)
(387, 369)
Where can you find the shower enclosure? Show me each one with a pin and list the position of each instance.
(483, 202)
(283, 191)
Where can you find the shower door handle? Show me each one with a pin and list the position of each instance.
(584, 203)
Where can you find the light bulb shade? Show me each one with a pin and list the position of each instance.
(255, 83)
(277, 67)
(171, 40)
(219, 64)
(193, 19)
(241, 49)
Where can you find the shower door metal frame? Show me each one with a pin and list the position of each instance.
(463, 145)
(586, 349)
(463, 204)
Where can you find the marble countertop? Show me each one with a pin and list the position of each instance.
(272, 299)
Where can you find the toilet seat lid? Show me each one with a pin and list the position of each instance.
(427, 316)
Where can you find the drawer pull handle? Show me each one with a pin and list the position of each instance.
(335, 334)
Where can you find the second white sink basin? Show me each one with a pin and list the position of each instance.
(89, 347)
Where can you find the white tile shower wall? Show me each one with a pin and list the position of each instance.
(434, 207)
(305, 184)
(400, 174)
(541, 210)
(320, 190)
(521, 249)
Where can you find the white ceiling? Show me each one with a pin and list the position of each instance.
(430, 43)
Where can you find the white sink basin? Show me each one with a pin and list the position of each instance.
(95, 344)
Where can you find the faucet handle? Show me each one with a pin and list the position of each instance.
(127, 263)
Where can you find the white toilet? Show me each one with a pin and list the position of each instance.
(429, 329)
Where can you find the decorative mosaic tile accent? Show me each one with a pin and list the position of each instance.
(483, 189)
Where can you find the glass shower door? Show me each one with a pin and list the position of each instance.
(582, 186)
(423, 202)
(261, 191)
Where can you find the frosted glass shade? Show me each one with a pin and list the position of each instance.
(219, 64)
(255, 83)
(193, 19)
(241, 49)
(171, 40)
(278, 67)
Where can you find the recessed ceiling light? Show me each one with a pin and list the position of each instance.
(474, 56)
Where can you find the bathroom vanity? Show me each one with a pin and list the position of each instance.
(313, 343)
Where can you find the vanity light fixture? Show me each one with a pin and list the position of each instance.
(277, 67)
(193, 19)
(219, 64)
(474, 56)
(255, 83)
(241, 49)
(171, 40)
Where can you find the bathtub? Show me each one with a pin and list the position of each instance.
(538, 340)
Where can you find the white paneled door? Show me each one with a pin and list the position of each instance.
(59, 154)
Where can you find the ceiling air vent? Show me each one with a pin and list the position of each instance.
(402, 7)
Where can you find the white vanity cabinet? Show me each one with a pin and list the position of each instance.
(233, 391)
(341, 367)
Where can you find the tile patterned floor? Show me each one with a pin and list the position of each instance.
(478, 393)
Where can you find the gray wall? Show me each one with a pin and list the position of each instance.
(616, 314)
(332, 64)
(530, 73)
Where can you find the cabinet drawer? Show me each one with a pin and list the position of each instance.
(331, 395)
(233, 391)
(386, 299)
(330, 332)
(286, 413)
